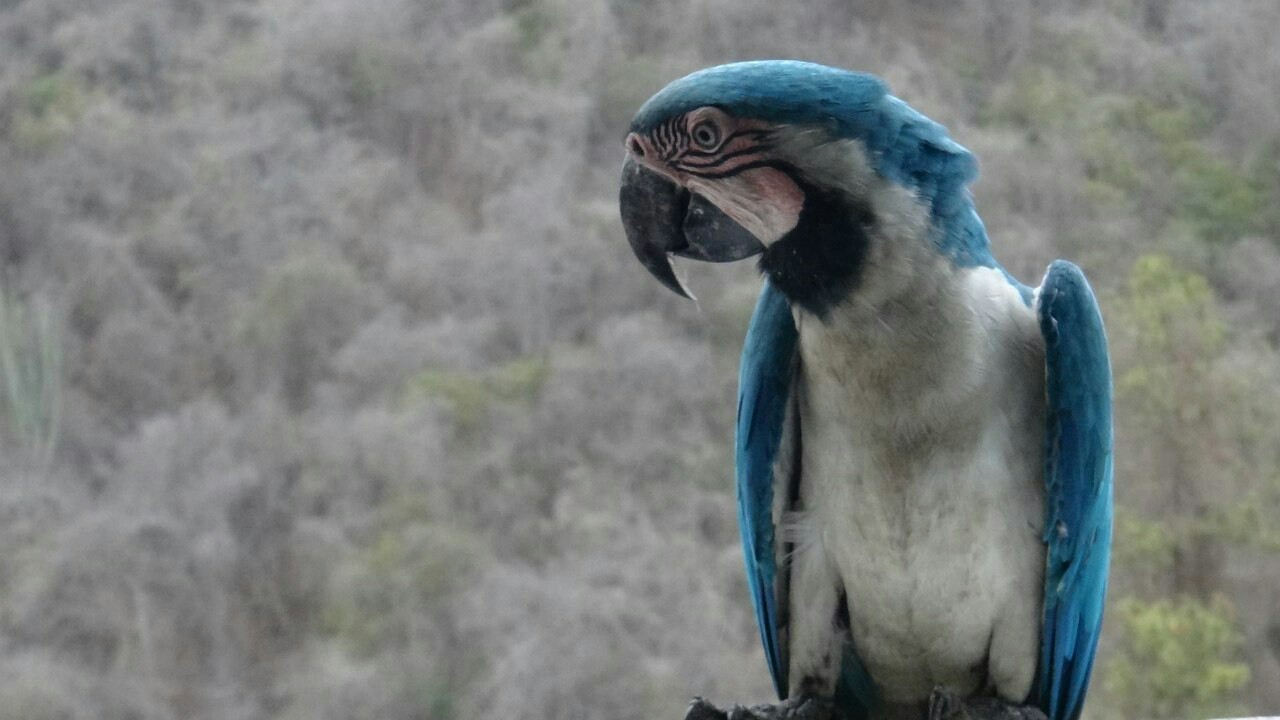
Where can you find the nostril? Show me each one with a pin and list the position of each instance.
(635, 146)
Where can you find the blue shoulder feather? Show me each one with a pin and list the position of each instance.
(1078, 477)
(764, 386)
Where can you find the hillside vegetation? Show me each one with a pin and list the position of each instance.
(329, 388)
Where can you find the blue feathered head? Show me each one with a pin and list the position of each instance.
(781, 91)
(742, 144)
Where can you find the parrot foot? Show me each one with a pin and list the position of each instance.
(798, 708)
(947, 705)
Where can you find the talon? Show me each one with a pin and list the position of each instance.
(943, 704)
(813, 708)
(798, 708)
(701, 709)
(1030, 712)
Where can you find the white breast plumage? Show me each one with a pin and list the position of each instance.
(922, 492)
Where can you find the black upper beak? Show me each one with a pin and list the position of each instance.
(663, 219)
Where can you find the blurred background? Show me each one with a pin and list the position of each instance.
(330, 389)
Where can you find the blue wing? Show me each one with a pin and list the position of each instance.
(1078, 467)
(764, 388)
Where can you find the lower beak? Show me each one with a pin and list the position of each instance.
(663, 219)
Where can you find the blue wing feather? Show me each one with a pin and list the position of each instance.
(1078, 478)
(764, 385)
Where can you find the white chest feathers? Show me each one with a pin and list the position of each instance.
(922, 491)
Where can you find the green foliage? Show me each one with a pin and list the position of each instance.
(309, 283)
(1180, 659)
(43, 93)
(51, 106)
(1138, 147)
(1052, 90)
(1141, 542)
(31, 370)
(409, 566)
(1169, 336)
(1113, 171)
(1249, 522)
(1039, 99)
(391, 596)
(371, 75)
(304, 311)
(1213, 194)
(533, 21)
(539, 37)
(1216, 198)
(470, 395)
(1177, 124)
(1172, 317)
(1264, 171)
(1196, 486)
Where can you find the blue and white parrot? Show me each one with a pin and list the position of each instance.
(924, 444)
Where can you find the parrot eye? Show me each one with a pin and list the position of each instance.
(706, 135)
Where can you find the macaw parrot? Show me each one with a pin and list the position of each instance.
(924, 444)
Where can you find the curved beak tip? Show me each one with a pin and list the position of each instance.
(662, 219)
(652, 208)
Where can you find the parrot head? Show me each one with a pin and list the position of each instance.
(788, 160)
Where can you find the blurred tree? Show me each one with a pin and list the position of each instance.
(1170, 335)
(31, 375)
(1194, 479)
(305, 311)
(1180, 659)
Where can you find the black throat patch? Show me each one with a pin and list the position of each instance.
(818, 264)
